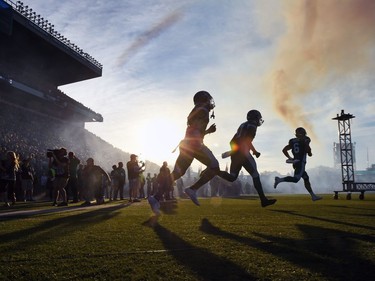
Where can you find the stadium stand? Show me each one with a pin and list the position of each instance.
(35, 115)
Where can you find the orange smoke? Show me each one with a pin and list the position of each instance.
(326, 40)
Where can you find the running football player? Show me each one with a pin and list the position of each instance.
(300, 147)
(192, 147)
(241, 145)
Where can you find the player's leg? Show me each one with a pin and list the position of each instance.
(237, 160)
(298, 171)
(307, 184)
(183, 162)
(206, 157)
(251, 167)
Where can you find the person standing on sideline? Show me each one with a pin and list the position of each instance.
(134, 171)
(148, 185)
(241, 145)
(93, 182)
(142, 182)
(27, 180)
(164, 181)
(121, 180)
(192, 147)
(154, 183)
(8, 169)
(60, 163)
(114, 184)
(72, 186)
(300, 147)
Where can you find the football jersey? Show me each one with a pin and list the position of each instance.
(197, 122)
(300, 147)
(244, 135)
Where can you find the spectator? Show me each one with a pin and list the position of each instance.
(148, 185)
(120, 182)
(8, 169)
(93, 182)
(165, 181)
(27, 180)
(114, 183)
(71, 187)
(60, 163)
(134, 170)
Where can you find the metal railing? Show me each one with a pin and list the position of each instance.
(45, 25)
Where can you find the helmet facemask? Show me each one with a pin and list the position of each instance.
(300, 133)
(255, 117)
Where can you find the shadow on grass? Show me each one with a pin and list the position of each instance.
(325, 219)
(27, 212)
(169, 207)
(202, 263)
(334, 254)
(50, 230)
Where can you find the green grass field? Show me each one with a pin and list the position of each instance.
(224, 239)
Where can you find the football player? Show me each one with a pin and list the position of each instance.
(300, 147)
(241, 145)
(192, 147)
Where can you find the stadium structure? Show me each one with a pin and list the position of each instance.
(346, 149)
(35, 115)
(35, 60)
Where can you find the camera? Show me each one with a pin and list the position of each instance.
(51, 152)
(56, 152)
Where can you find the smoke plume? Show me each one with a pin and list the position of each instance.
(148, 36)
(325, 41)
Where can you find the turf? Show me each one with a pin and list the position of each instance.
(223, 239)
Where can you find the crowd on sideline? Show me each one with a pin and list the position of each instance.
(25, 145)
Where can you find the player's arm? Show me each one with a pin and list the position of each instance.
(286, 151)
(211, 129)
(252, 148)
(308, 149)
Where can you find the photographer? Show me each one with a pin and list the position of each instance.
(60, 163)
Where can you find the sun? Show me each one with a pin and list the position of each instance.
(157, 140)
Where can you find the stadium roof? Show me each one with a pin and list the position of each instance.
(27, 37)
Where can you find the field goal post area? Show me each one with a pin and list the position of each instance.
(349, 184)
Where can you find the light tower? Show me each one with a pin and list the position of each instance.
(346, 154)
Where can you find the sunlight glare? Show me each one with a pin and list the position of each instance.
(157, 140)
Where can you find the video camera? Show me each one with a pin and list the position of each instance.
(51, 152)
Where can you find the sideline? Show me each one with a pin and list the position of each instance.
(54, 209)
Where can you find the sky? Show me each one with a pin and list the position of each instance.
(298, 62)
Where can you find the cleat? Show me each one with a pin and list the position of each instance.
(155, 205)
(277, 181)
(192, 195)
(268, 202)
(316, 198)
(63, 204)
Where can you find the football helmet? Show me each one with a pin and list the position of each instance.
(300, 132)
(203, 97)
(255, 116)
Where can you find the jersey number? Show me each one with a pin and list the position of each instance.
(296, 148)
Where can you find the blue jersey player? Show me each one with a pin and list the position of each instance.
(300, 148)
(241, 146)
